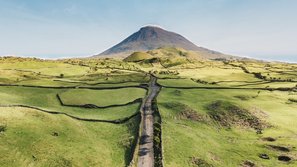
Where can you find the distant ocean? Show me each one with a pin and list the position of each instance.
(281, 58)
(53, 56)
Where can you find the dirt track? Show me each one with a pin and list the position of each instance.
(146, 144)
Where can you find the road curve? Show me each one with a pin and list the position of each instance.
(146, 142)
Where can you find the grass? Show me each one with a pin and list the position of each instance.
(137, 56)
(184, 139)
(27, 71)
(183, 83)
(217, 73)
(101, 97)
(115, 76)
(46, 99)
(51, 68)
(201, 127)
(46, 82)
(186, 82)
(39, 139)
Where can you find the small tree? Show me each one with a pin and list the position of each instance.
(61, 75)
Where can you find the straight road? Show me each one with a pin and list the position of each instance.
(146, 143)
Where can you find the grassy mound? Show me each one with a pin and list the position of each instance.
(228, 114)
(137, 56)
(168, 57)
(184, 112)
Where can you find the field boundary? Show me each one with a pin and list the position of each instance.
(76, 87)
(93, 106)
(85, 65)
(98, 83)
(269, 89)
(158, 137)
(116, 121)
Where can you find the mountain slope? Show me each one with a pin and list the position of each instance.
(149, 38)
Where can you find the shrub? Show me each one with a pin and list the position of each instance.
(293, 100)
(3, 128)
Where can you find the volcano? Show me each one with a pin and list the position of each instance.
(152, 37)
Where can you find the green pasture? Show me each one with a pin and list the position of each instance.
(32, 138)
(46, 99)
(186, 139)
(101, 97)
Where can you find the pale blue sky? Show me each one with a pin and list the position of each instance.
(264, 29)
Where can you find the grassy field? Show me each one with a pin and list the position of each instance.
(101, 97)
(45, 68)
(32, 138)
(190, 135)
(231, 84)
(201, 127)
(183, 83)
(46, 99)
(36, 72)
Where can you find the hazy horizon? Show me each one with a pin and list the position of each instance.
(60, 29)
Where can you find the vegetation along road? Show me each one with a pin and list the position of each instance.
(146, 149)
